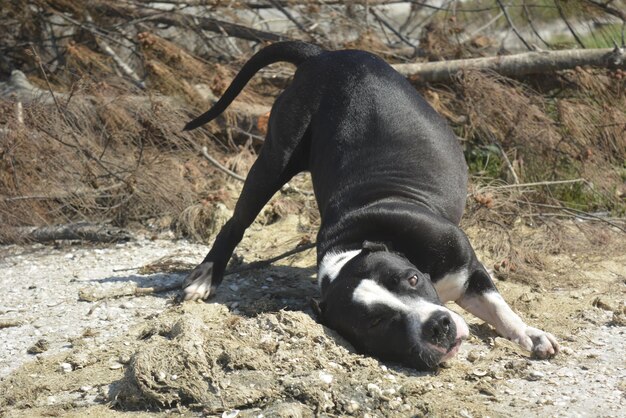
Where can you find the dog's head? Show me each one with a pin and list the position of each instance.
(386, 307)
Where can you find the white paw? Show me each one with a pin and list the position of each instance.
(197, 290)
(541, 344)
(197, 285)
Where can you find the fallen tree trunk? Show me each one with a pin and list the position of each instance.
(539, 62)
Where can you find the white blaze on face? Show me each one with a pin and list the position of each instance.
(332, 263)
(369, 293)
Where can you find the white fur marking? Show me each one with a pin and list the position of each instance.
(370, 293)
(492, 308)
(332, 263)
(452, 285)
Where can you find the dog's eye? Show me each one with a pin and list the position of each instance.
(376, 322)
(413, 280)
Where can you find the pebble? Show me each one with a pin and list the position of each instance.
(65, 367)
(465, 413)
(115, 366)
(394, 403)
(473, 356)
(374, 390)
(39, 347)
(535, 375)
(352, 407)
(230, 414)
(479, 372)
(326, 378)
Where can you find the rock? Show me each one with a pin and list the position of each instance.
(473, 356)
(374, 390)
(39, 347)
(230, 414)
(479, 372)
(326, 378)
(115, 366)
(65, 367)
(352, 407)
(516, 365)
(603, 304)
(486, 389)
(535, 375)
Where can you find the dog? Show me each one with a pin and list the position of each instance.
(390, 181)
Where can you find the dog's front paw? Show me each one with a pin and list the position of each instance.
(541, 344)
(198, 284)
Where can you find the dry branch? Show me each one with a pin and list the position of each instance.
(77, 231)
(539, 62)
(184, 20)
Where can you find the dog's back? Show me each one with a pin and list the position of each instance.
(369, 126)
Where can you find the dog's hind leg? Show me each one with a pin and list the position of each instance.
(283, 155)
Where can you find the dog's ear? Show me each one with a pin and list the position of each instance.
(318, 307)
(374, 246)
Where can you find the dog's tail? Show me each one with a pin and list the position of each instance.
(294, 52)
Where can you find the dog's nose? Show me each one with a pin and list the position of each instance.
(440, 329)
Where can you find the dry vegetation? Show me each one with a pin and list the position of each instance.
(94, 132)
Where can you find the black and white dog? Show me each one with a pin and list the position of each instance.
(390, 182)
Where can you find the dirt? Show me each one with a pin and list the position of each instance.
(256, 349)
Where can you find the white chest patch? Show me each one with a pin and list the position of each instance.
(452, 286)
(332, 263)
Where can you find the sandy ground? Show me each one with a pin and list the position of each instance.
(257, 350)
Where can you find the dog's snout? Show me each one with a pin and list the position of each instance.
(440, 329)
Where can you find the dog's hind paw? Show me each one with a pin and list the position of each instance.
(541, 344)
(198, 284)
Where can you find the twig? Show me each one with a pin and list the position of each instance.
(532, 25)
(289, 16)
(95, 306)
(513, 28)
(130, 73)
(575, 211)
(569, 26)
(608, 9)
(10, 322)
(264, 263)
(217, 164)
(539, 183)
(45, 76)
(393, 30)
